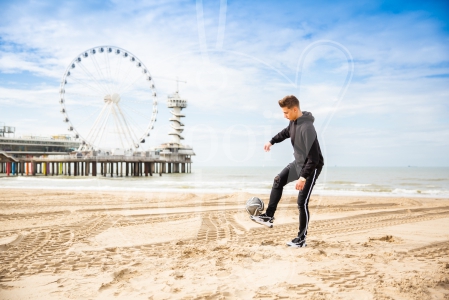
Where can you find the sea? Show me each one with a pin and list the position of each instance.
(339, 181)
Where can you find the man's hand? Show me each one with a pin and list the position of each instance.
(267, 146)
(300, 184)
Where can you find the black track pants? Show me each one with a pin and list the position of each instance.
(287, 175)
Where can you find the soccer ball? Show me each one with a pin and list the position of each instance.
(254, 206)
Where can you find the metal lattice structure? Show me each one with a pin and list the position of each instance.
(108, 99)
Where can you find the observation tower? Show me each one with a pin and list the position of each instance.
(177, 103)
(175, 150)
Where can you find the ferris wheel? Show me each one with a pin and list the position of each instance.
(108, 99)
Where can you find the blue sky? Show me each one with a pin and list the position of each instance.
(394, 111)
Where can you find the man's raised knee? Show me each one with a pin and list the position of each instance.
(277, 181)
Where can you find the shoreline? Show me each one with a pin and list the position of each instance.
(255, 192)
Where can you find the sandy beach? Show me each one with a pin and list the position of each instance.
(125, 245)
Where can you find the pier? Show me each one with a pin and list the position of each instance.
(74, 165)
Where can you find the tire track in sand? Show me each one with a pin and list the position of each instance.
(43, 250)
(354, 223)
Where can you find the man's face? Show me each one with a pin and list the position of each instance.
(290, 113)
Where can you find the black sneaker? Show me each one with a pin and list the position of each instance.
(263, 219)
(297, 243)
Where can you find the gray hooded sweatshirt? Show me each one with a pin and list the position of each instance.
(306, 148)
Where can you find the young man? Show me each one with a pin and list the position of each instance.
(305, 168)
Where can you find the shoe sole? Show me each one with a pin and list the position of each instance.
(261, 223)
(293, 245)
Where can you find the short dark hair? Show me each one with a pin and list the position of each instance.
(289, 101)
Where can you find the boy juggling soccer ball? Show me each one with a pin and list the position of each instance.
(305, 168)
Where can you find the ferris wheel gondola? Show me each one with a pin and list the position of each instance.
(108, 99)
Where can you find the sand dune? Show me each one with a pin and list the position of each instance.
(99, 245)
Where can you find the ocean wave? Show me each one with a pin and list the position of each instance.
(341, 182)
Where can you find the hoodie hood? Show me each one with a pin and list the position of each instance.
(306, 116)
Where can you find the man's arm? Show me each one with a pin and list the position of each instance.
(313, 158)
(284, 134)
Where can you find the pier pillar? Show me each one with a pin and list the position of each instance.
(183, 168)
(94, 168)
(121, 169)
(152, 168)
(146, 171)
